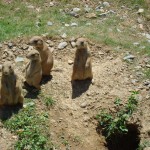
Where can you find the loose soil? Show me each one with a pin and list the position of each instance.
(72, 119)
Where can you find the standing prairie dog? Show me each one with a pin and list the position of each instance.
(33, 70)
(45, 53)
(10, 86)
(82, 68)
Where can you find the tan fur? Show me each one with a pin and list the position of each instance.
(45, 53)
(10, 86)
(82, 68)
(33, 70)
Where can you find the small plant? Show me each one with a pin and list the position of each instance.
(27, 125)
(113, 124)
(49, 101)
(144, 145)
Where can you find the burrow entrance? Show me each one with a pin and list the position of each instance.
(128, 141)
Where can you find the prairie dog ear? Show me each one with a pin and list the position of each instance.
(40, 42)
(37, 54)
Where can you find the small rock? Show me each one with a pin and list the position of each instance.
(141, 26)
(70, 62)
(1, 45)
(136, 44)
(87, 9)
(140, 10)
(122, 7)
(88, 24)
(67, 25)
(146, 83)
(38, 24)
(83, 105)
(111, 12)
(62, 45)
(14, 137)
(103, 14)
(30, 7)
(134, 81)
(91, 15)
(138, 67)
(147, 148)
(139, 20)
(64, 35)
(19, 59)
(10, 45)
(85, 111)
(49, 23)
(147, 36)
(148, 65)
(24, 46)
(28, 104)
(74, 14)
(51, 4)
(129, 57)
(74, 24)
(86, 119)
(76, 10)
(119, 30)
(147, 97)
(93, 81)
(142, 47)
(73, 44)
(100, 10)
(50, 43)
(106, 4)
(0, 67)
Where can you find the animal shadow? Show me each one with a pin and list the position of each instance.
(46, 79)
(7, 111)
(79, 87)
(32, 92)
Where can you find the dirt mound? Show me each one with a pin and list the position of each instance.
(73, 123)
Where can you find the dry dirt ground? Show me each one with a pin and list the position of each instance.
(72, 119)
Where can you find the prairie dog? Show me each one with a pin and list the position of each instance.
(82, 67)
(10, 86)
(33, 70)
(45, 53)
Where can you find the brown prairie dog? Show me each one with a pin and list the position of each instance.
(82, 67)
(45, 53)
(10, 86)
(33, 70)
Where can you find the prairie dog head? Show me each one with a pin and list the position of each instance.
(81, 43)
(7, 68)
(36, 41)
(33, 55)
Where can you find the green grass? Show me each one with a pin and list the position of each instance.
(21, 21)
(30, 127)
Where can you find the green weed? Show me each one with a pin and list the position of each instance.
(28, 125)
(144, 145)
(113, 124)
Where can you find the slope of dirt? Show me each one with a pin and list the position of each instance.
(69, 119)
(72, 122)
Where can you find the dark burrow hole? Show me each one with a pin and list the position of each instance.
(128, 141)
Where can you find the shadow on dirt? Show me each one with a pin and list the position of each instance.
(32, 92)
(46, 79)
(79, 87)
(7, 111)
